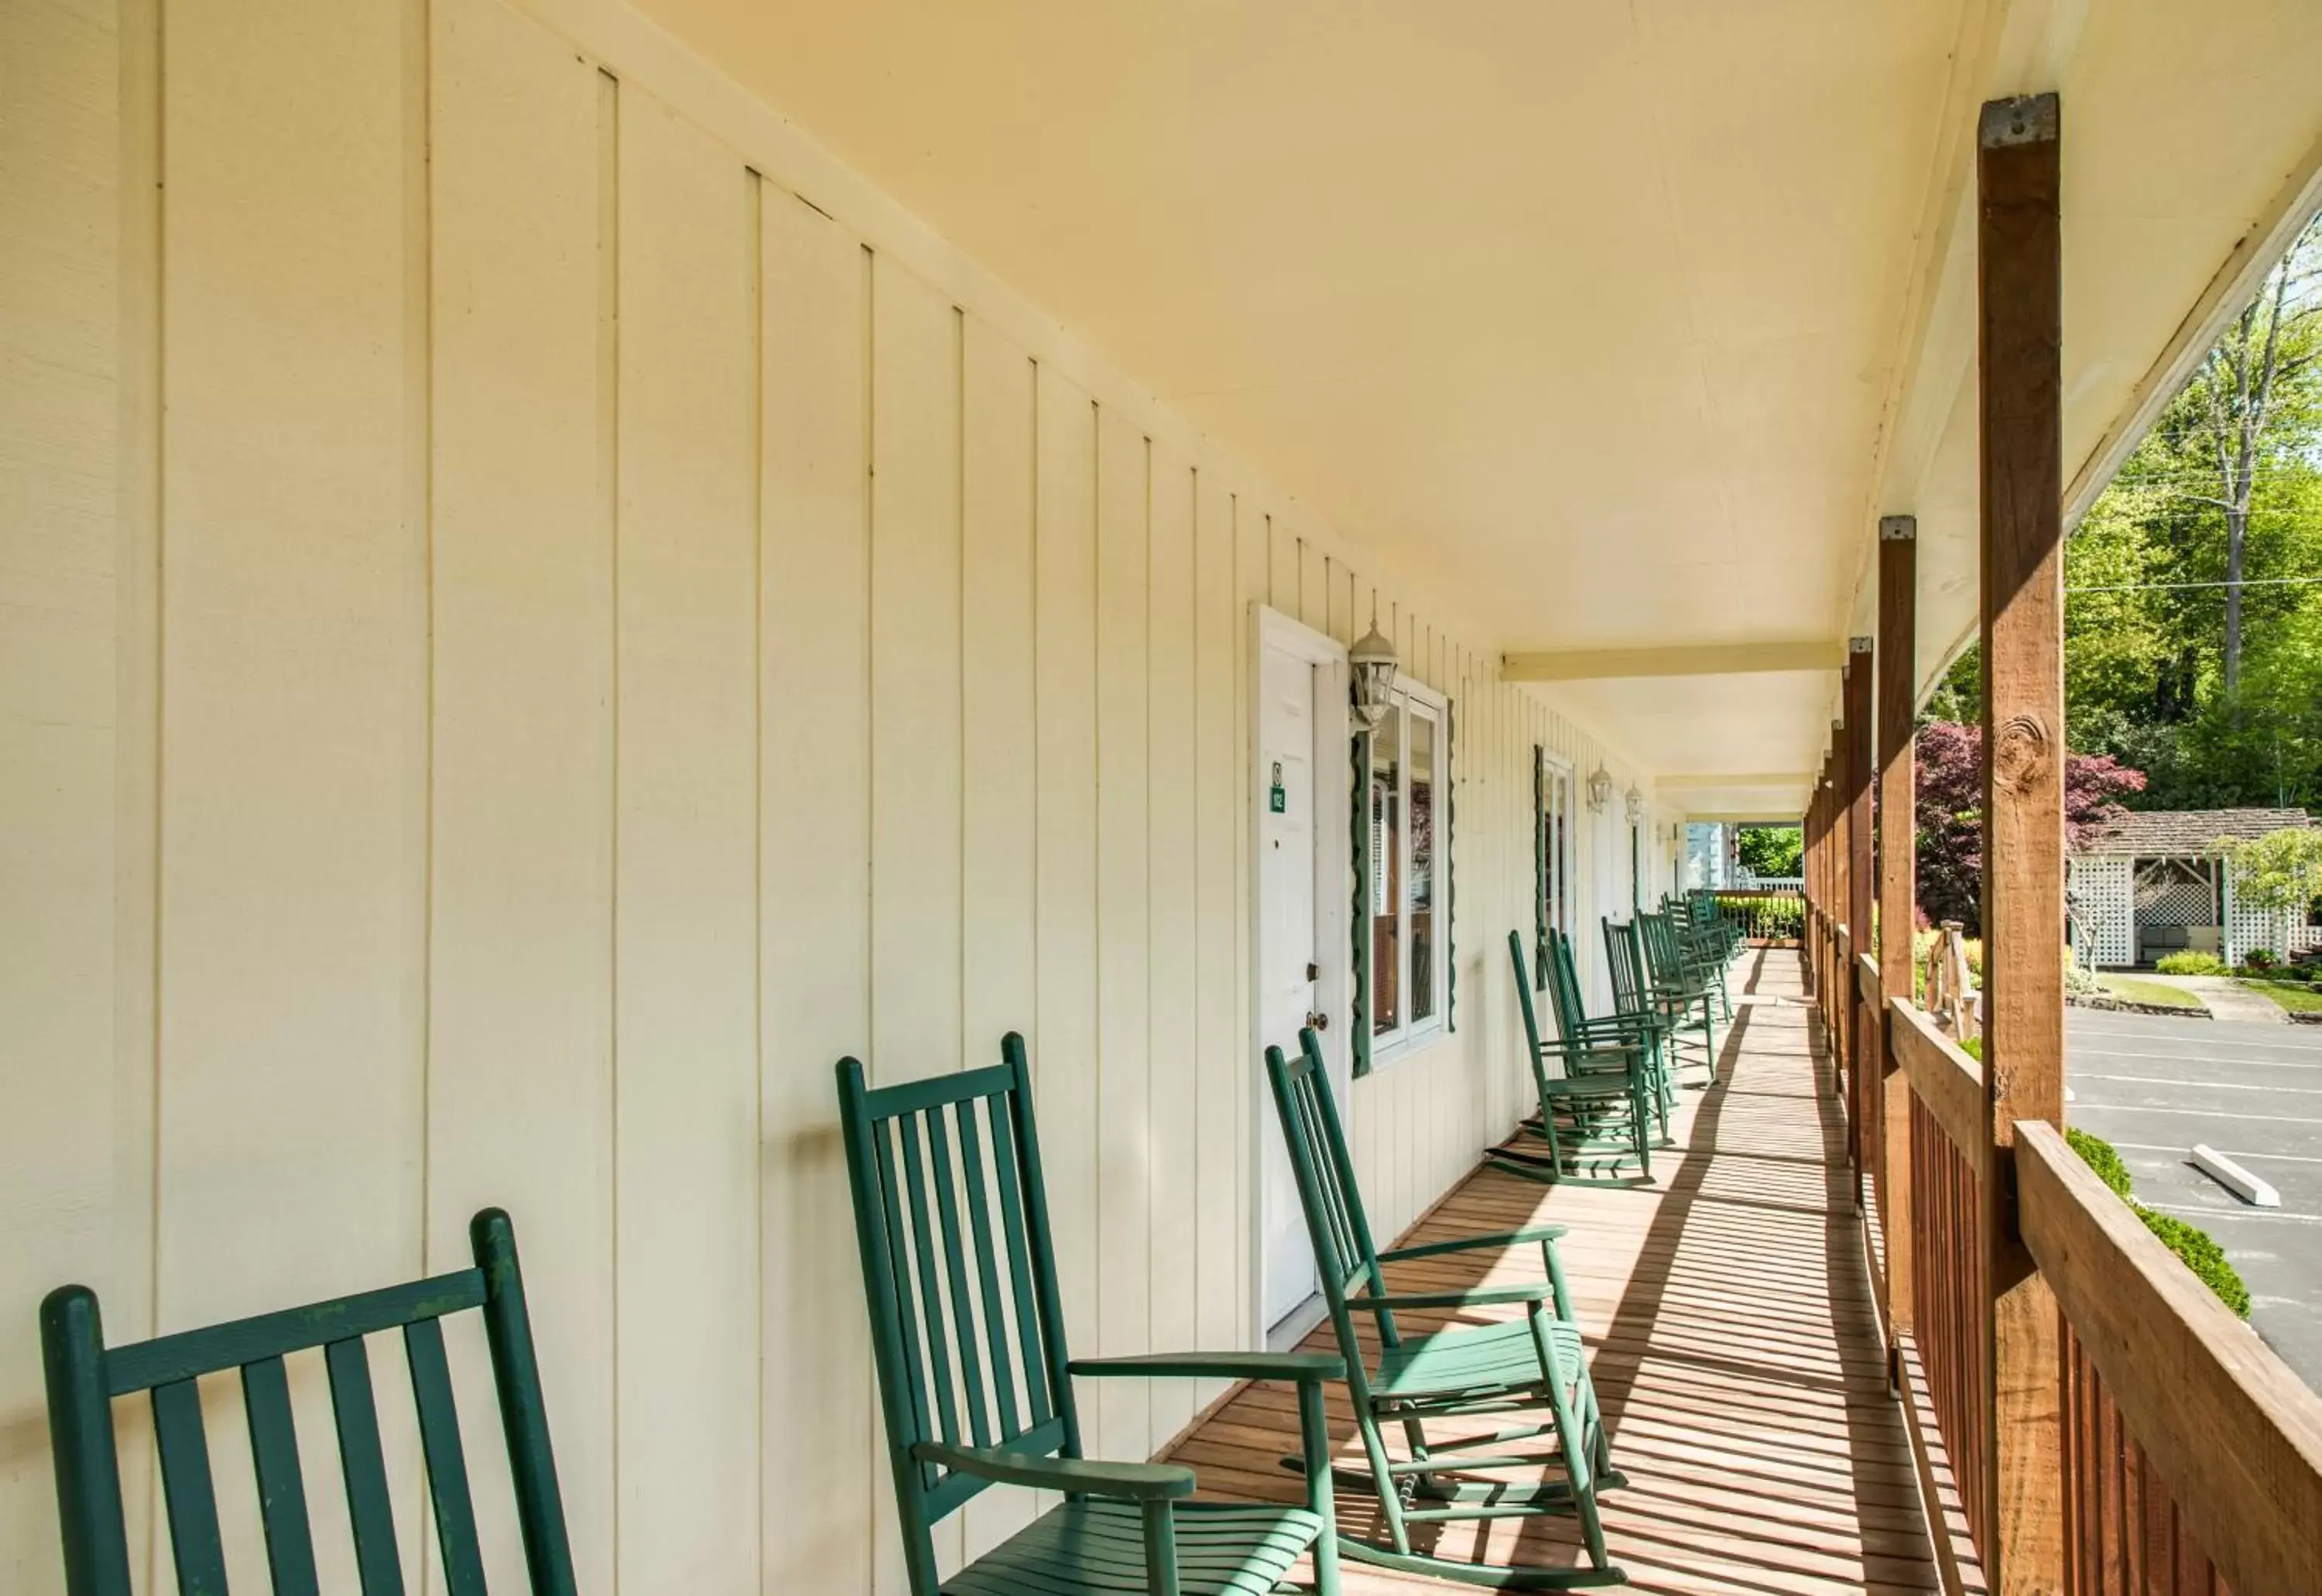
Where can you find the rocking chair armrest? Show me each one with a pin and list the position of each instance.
(1138, 1481)
(1300, 1366)
(1530, 1290)
(1508, 1238)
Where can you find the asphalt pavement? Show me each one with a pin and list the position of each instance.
(2152, 1086)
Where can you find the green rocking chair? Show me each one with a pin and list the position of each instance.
(1597, 1113)
(975, 1385)
(84, 1376)
(1487, 1371)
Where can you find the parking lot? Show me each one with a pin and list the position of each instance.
(2153, 1086)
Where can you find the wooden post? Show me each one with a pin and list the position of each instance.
(1862, 1081)
(2019, 398)
(1841, 890)
(1898, 840)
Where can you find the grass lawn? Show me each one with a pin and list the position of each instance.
(2291, 995)
(2133, 990)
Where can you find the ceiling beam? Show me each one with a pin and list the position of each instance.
(1746, 818)
(1716, 781)
(1728, 658)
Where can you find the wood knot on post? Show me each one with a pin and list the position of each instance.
(2021, 754)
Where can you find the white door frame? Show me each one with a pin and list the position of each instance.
(1334, 868)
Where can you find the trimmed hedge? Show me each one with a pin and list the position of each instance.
(2201, 1254)
(2098, 1155)
(2193, 1245)
(2190, 963)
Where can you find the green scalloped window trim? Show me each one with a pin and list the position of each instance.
(1359, 969)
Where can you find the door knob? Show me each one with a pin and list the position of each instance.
(1321, 1022)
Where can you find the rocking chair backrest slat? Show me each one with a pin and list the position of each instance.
(281, 1493)
(1622, 957)
(447, 1465)
(965, 1323)
(1571, 1012)
(1664, 958)
(377, 1562)
(1523, 988)
(84, 1374)
(184, 1446)
(1346, 1258)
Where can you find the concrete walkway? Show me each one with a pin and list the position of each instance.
(2224, 997)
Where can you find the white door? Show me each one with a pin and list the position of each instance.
(1285, 980)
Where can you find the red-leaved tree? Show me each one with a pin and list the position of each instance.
(1950, 815)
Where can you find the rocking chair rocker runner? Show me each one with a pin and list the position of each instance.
(84, 1376)
(1529, 1365)
(976, 1387)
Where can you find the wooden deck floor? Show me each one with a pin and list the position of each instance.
(1729, 1331)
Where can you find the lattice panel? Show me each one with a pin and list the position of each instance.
(2103, 903)
(2168, 894)
(2247, 929)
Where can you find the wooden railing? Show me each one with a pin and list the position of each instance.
(2191, 1455)
(1771, 917)
(1949, 1290)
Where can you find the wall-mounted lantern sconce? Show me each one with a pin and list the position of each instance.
(1636, 803)
(1600, 789)
(1374, 662)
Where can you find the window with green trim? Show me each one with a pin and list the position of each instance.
(1404, 844)
(1551, 854)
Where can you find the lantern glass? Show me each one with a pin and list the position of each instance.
(1374, 663)
(1636, 806)
(1600, 789)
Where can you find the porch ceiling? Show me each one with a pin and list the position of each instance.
(1618, 324)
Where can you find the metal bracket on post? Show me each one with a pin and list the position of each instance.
(1899, 529)
(1858, 645)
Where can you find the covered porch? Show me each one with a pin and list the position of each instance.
(566, 565)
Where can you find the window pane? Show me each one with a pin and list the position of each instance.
(1423, 866)
(1386, 872)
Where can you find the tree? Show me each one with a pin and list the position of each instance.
(1770, 850)
(2280, 871)
(2194, 583)
(1950, 815)
(2256, 362)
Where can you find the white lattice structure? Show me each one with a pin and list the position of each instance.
(2155, 882)
(2104, 903)
(2247, 928)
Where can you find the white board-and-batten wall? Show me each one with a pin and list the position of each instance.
(541, 612)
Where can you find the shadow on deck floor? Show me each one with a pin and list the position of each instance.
(1730, 1330)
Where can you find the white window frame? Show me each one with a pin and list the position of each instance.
(1552, 886)
(1409, 695)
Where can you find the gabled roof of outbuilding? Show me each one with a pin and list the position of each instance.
(2156, 832)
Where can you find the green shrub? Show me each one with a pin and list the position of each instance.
(1973, 1048)
(2099, 1155)
(2190, 963)
(2202, 1256)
